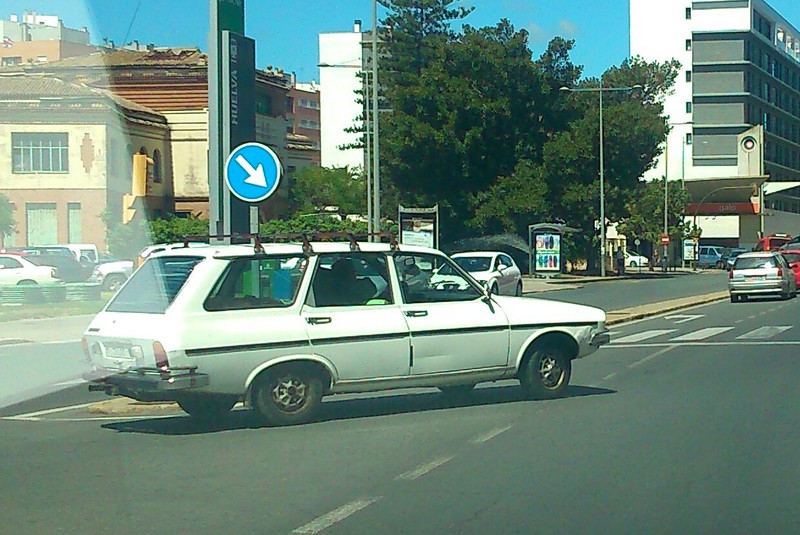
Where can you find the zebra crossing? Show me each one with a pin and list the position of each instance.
(766, 333)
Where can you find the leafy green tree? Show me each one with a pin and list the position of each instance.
(315, 187)
(175, 229)
(645, 206)
(312, 223)
(7, 224)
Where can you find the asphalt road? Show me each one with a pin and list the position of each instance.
(619, 294)
(684, 424)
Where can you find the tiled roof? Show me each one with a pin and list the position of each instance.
(188, 57)
(31, 87)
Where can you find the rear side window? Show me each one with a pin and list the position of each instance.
(154, 287)
(269, 282)
(791, 257)
(755, 263)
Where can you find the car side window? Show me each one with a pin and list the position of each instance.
(351, 279)
(427, 278)
(10, 263)
(505, 259)
(270, 282)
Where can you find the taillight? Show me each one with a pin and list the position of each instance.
(730, 274)
(85, 344)
(162, 362)
(780, 272)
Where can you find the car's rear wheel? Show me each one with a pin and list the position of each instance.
(206, 406)
(113, 283)
(632, 263)
(287, 395)
(518, 291)
(545, 373)
(26, 282)
(457, 391)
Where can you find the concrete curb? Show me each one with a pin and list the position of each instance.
(122, 406)
(644, 311)
(12, 341)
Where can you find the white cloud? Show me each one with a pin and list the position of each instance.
(567, 28)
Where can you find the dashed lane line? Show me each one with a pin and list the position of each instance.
(489, 435)
(337, 515)
(423, 469)
(652, 356)
(701, 334)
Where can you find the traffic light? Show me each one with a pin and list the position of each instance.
(142, 166)
(128, 210)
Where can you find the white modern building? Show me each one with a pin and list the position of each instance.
(341, 64)
(735, 111)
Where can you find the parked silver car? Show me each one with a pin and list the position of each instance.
(761, 273)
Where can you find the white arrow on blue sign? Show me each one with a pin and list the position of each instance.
(253, 172)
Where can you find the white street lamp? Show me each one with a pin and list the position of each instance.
(601, 90)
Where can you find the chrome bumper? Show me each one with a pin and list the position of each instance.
(146, 384)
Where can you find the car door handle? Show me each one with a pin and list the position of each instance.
(318, 320)
(416, 313)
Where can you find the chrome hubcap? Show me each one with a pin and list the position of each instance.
(550, 371)
(289, 393)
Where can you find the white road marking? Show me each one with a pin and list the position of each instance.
(337, 515)
(646, 335)
(609, 376)
(92, 418)
(751, 317)
(35, 415)
(486, 437)
(651, 357)
(734, 343)
(423, 469)
(71, 382)
(763, 333)
(702, 334)
(684, 318)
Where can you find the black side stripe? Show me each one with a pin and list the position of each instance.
(199, 352)
(467, 330)
(364, 338)
(530, 326)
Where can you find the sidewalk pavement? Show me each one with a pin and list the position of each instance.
(567, 281)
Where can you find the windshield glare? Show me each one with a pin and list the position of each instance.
(155, 285)
(473, 264)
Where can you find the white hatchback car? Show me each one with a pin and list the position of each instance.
(284, 326)
(16, 270)
(495, 270)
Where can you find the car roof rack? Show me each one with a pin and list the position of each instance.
(305, 238)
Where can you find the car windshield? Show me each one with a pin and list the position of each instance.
(155, 285)
(754, 263)
(792, 257)
(473, 264)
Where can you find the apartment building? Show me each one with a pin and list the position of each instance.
(734, 113)
(35, 38)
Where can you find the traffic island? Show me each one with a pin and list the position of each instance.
(122, 406)
(653, 309)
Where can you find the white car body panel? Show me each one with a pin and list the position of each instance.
(27, 271)
(364, 348)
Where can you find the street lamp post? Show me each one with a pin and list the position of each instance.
(666, 185)
(600, 90)
(376, 171)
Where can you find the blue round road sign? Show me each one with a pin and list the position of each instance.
(253, 172)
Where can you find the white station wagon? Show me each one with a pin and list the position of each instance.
(282, 325)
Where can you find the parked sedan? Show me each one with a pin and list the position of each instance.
(792, 257)
(729, 257)
(761, 273)
(635, 260)
(16, 270)
(496, 270)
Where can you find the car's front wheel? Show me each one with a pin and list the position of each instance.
(113, 283)
(518, 291)
(545, 373)
(632, 263)
(207, 406)
(287, 395)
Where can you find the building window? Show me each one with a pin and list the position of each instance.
(10, 61)
(689, 107)
(157, 167)
(688, 44)
(688, 13)
(39, 153)
(689, 138)
(688, 76)
(74, 231)
(264, 105)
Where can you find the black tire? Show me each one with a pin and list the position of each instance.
(457, 391)
(632, 264)
(518, 291)
(289, 394)
(113, 282)
(545, 373)
(206, 406)
(27, 282)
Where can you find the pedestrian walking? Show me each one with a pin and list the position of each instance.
(620, 257)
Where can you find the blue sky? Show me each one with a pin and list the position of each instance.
(286, 30)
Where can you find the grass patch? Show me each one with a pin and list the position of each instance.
(52, 310)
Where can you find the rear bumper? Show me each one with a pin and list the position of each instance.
(758, 287)
(146, 384)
